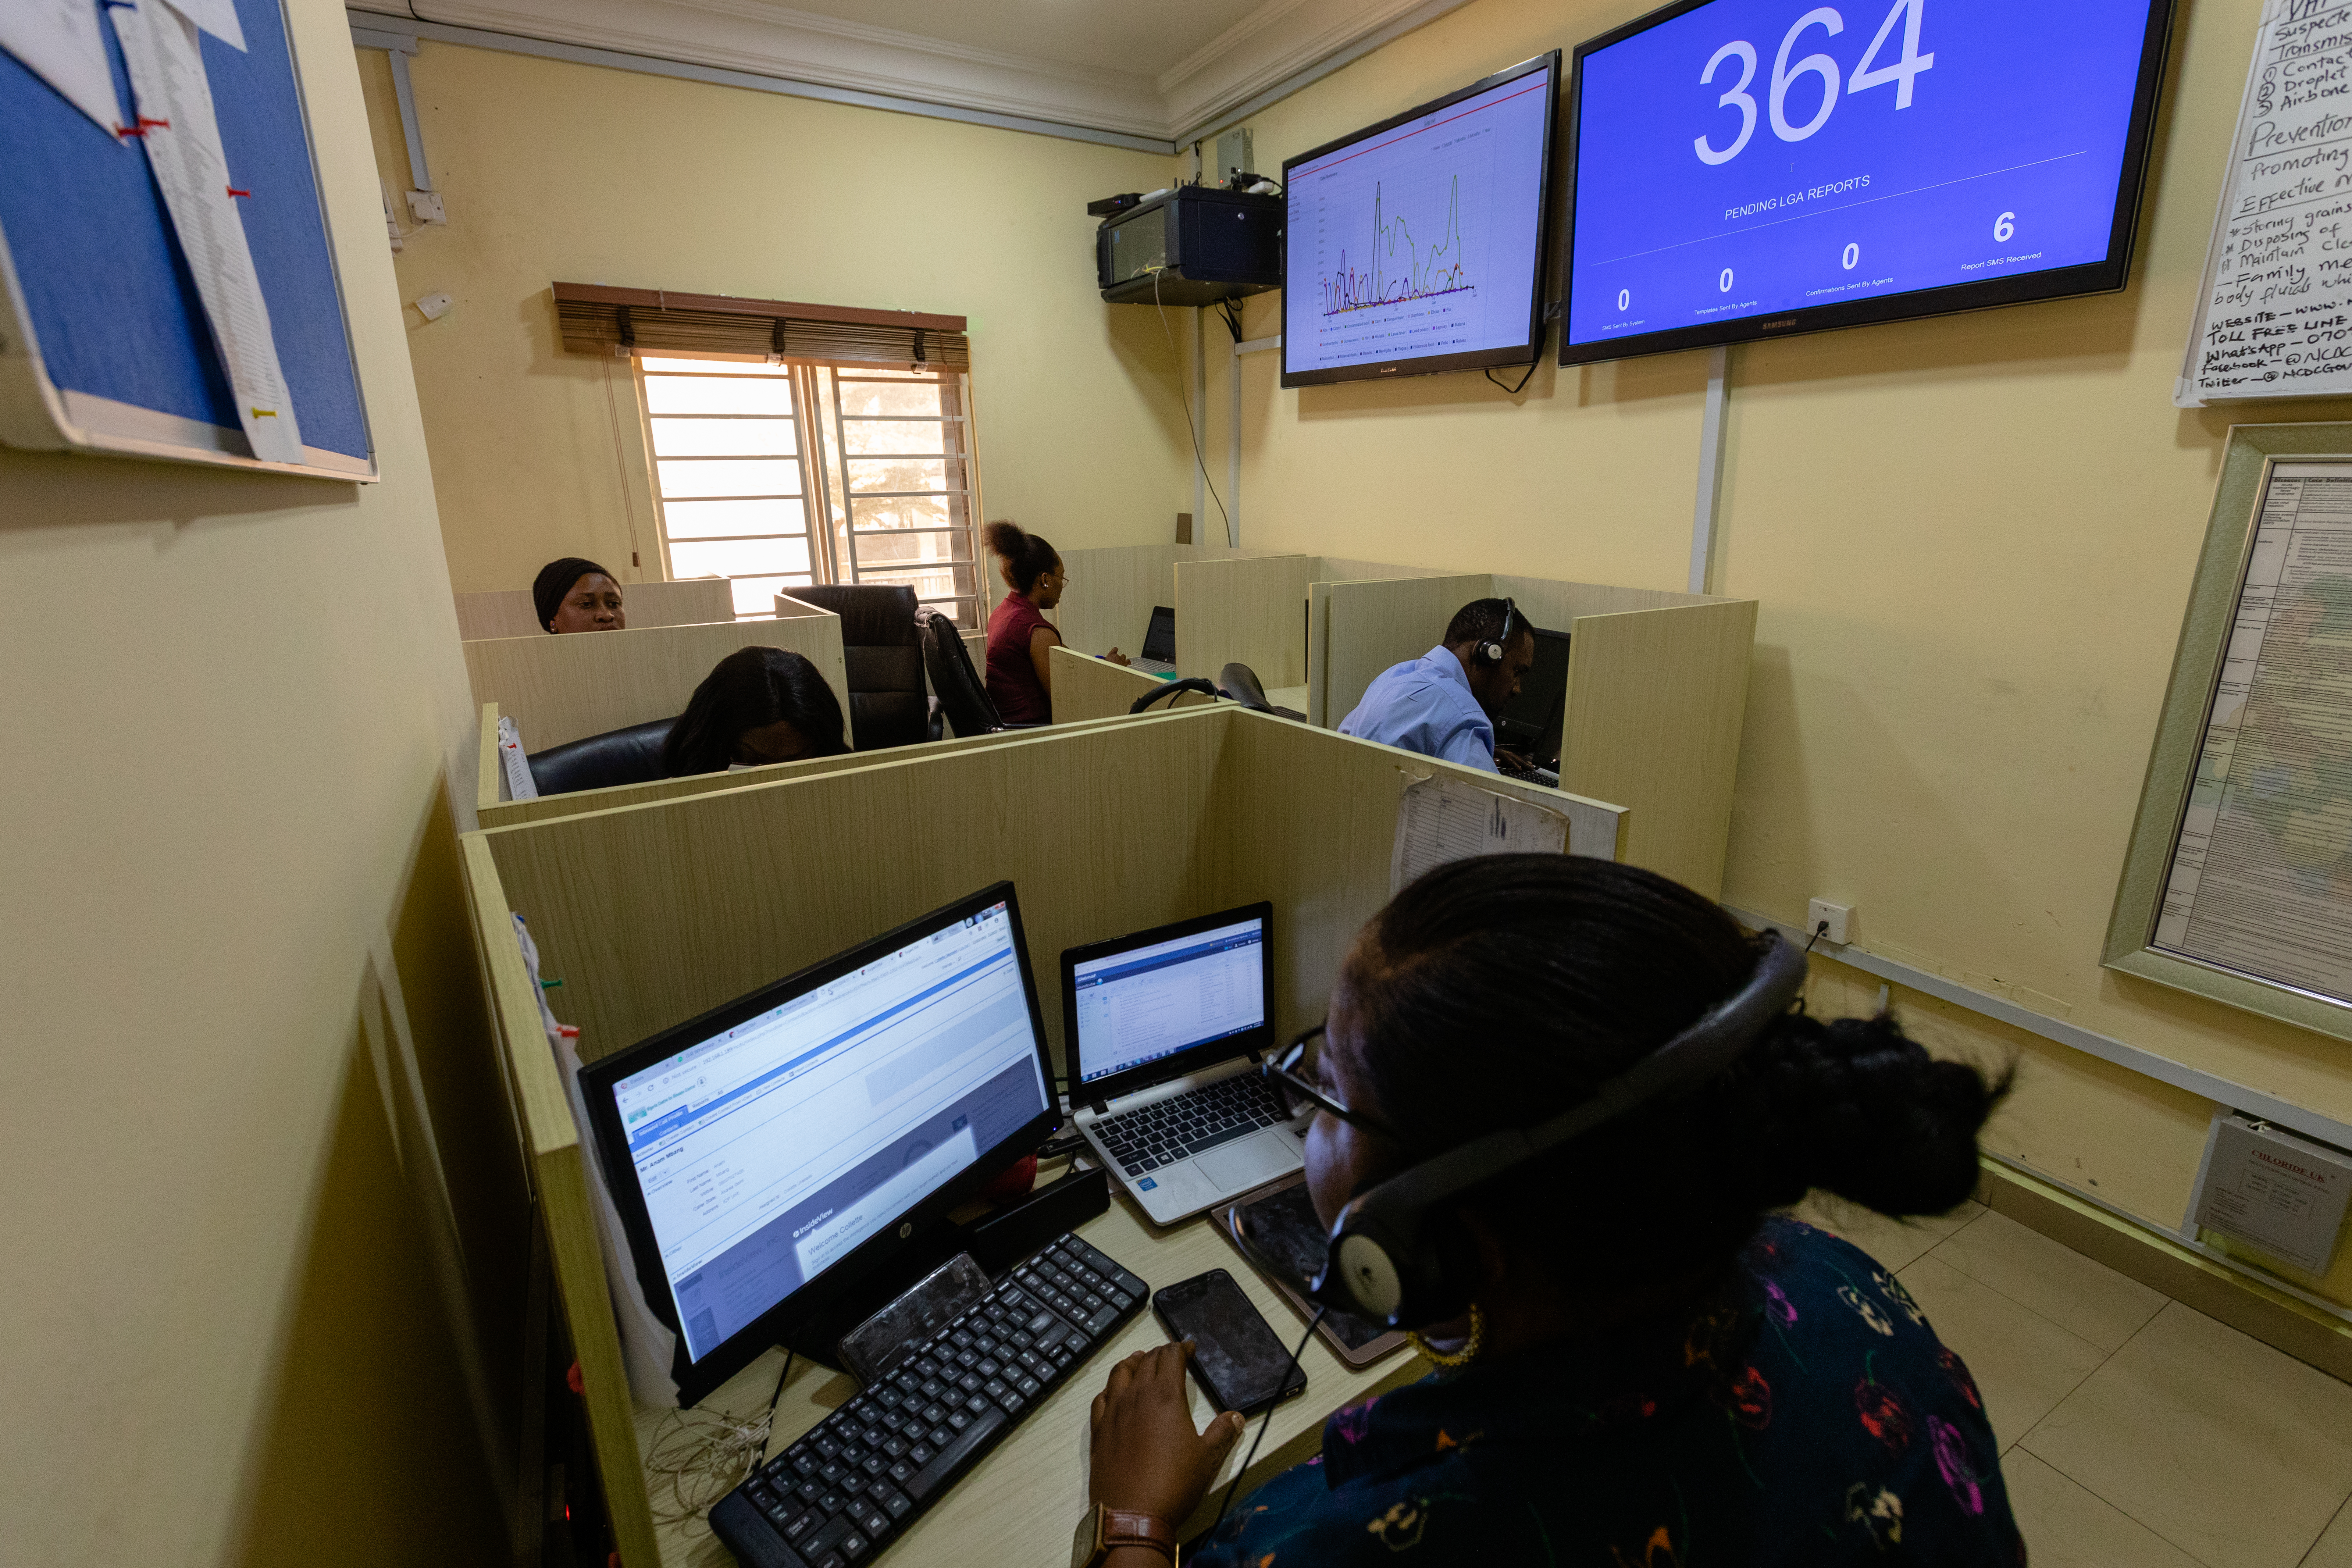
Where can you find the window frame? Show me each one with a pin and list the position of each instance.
(827, 500)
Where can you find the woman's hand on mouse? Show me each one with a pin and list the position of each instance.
(1147, 1456)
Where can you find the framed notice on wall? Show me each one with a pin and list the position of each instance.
(2238, 881)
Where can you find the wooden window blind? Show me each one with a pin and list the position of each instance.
(593, 317)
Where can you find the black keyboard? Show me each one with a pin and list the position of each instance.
(1547, 777)
(1182, 1125)
(856, 1480)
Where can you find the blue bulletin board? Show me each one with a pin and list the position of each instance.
(105, 345)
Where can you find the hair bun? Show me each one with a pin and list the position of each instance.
(1859, 1108)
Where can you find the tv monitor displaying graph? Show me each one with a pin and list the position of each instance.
(1417, 245)
(1743, 169)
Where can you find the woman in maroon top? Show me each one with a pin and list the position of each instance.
(1020, 638)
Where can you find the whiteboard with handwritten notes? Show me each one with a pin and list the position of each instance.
(2274, 318)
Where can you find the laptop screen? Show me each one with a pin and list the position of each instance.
(1152, 996)
(1160, 636)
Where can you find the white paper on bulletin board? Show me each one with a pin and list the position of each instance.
(2274, 318)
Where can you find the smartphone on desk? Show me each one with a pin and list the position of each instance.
(1242, 1364)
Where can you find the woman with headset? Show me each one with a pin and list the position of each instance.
(1559, 1101)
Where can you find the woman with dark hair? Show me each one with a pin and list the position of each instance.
(1655, 1367)
(758, 705)
(577, 595)
(1020, 638)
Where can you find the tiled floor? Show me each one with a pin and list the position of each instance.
(2136, 1433)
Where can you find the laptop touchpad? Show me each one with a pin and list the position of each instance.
(1247, 1162)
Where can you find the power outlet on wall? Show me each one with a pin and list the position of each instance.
(1838, 917)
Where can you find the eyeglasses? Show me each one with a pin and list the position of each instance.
(1295, 1075)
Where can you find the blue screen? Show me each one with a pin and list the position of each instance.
(1756, 156)
(1420, 239)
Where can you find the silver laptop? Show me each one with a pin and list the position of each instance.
(1164, 1030)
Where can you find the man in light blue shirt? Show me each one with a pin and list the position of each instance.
(1443, 703)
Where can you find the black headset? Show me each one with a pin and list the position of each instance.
(1388, 1260)
(1492, 652)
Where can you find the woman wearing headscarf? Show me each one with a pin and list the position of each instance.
(577, 595)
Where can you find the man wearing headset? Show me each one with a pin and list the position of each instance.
(1558, 1104)
(1443, 703)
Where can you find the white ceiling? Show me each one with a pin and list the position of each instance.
(1138, 71)
(1137, 37)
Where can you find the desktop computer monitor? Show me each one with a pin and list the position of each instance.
(1529, 723)
(770, 1155)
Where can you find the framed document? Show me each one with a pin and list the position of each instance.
(2239, 882)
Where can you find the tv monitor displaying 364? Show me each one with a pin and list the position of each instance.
(1417, 245)
(1745, 169)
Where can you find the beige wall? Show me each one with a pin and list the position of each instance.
(240, 1010)
(577, 173)
(1972, 539)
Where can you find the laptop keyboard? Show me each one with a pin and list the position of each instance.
(1547, 777)
(1182, 1125)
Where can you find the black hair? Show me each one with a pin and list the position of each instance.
(1480, 620)
(1023, 557)
(1502, 990)
(749, 689)
(554, 584)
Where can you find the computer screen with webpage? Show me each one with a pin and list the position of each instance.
(1143, 1003)
(771, 1150)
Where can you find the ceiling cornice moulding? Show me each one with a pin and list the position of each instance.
(1272, 50)
(767, 40)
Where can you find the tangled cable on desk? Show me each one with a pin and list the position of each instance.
(698, 1456)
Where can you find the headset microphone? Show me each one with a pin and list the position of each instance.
(1388, 1261)
(1492, 652)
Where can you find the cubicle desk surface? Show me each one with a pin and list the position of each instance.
(653, 913)
(1019, 1505)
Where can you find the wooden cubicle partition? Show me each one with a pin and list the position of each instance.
(1087, 688)
(1656, 699)
(564, 688)
(1388, 621)
(1113, 590)
(1250, 611)
(1256, 612)
(510, 613)
(1657, 692)
(653, 913)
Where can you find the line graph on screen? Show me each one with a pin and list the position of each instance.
(1429, 273)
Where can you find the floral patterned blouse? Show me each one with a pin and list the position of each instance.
(1809, 1416)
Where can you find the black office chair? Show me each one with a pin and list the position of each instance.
(888, 704)
(1241, 683)
(962, 695)
(615, 757)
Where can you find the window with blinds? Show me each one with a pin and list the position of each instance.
(776, 475)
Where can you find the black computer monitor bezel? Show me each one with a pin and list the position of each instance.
(1547, 272)
(697, 1378)
(1547, 736)
(1258, 1040)
(2105, 276)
